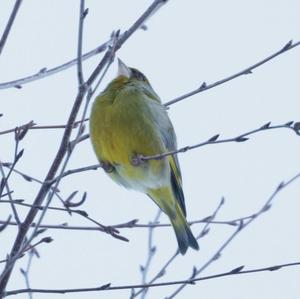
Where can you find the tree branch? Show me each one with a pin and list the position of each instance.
(204, 86)
(151, 253)
(107, 287)
(9, 24)
(32, 126)
(82, 15)
(215, 140)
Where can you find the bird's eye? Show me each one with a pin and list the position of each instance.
(138, 75)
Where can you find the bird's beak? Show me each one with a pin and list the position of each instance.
(123, 69)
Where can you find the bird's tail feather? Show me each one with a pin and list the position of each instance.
(184, 235)
(164, 198)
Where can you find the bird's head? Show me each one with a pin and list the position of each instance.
(130, 77)
(131, 74)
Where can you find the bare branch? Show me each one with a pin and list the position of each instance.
(82, 15)
(31, 247)
(43, 73)
(204, 86)
(4, 183)
(32, 126)
(151, 253)
(108, 287)
(9, 24)
(26, 272)
(215, 140)
(127, 225)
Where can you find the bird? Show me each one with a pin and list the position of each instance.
(128, 121)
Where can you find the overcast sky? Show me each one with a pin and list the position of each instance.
(187, 42)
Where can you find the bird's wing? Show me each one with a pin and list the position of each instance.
(168, 135)
(176, 180)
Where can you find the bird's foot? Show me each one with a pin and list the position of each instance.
(137, 160)
(108, 167)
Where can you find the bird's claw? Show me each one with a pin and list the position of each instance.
(108, 167)
(137, 160)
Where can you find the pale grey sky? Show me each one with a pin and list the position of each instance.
(187, 42)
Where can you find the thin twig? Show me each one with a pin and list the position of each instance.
(43, 73)
(215, 140)
(79, 44)
(107, 287)
(32, 126)
(151, 253)
(31, 247)
(9, 24)
(9, 193)
(204, 86)
(26, 272)
(127, 225)
(78, 170)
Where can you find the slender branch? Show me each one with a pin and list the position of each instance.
(79, 45)
(26, 177)
(31, 247)
(43, 73)
(127, 225)
(151, 253)
(32, 126)
(108, 287)
(9, 24)
(290, 45)
(9, 194)
(19, 135)
(78, 170)
(215, 140)
(26, 272)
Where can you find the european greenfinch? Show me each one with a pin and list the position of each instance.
(128, 121)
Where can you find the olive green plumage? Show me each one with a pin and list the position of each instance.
(127, 120)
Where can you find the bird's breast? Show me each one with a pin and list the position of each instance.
(122, 129)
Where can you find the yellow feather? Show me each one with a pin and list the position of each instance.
(127, 120)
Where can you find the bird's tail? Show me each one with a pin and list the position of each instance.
(183, 231)
(165, 199)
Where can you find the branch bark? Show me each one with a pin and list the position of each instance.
(107, 287)
(9, 24)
